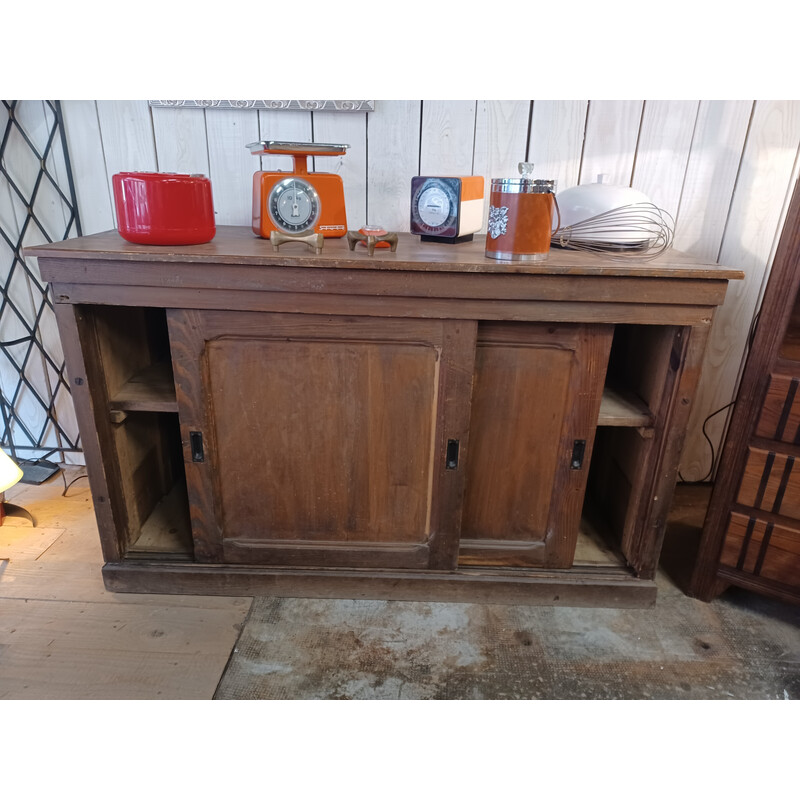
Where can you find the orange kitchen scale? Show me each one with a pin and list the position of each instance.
(299, 202)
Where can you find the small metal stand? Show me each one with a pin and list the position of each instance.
(353, 237)
(11, 510)
(313, 241)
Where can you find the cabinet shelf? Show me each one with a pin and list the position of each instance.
(620, 409)
(151, 389)
(167, 530)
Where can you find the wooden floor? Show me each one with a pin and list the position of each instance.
(63, 636)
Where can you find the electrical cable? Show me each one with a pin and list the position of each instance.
(750, 337)
(67, 485)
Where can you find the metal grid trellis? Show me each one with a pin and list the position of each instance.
(37, 205)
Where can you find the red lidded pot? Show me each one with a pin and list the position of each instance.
(164, 208)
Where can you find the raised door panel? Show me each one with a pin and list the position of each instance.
(324, 439)
(535, 402)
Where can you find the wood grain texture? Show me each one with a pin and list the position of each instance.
(92, 186)
(111, 651)
(779, 417)
(770, 483)
(582, 587)
(447, 139)
(716, 151)
(350, 458)
(769, 552)
(612, 129)
(231, 166)
(766, 170)
(451, 144)
(400, 307)
(126, 129)
(352, 167)
(282, 126)
(537, 391)
(392, 160)
(237, 245)
(187, 347)
(79, 347)
(556, 139)
(347, 479)
(180, 137)
(501, 128)
(642, 548)
(682, 288)
(662, 152)
(361, 337)
(776, 312)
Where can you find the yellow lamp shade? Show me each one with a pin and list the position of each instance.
(10, 473)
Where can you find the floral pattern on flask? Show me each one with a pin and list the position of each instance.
(498, 221)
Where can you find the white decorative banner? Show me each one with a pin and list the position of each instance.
(272, 105)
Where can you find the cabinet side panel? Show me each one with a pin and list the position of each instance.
(88, 391)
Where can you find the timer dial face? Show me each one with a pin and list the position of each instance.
(435, 206)
(294, 205)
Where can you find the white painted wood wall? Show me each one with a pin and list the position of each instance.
(724, 169)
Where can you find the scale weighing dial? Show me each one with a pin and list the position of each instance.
(294, 205)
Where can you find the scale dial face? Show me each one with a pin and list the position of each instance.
(294, 205)
(435, 206)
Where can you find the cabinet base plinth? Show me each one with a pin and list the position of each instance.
(584, 587)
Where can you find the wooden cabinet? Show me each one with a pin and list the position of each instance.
(418, 424)
(751, 535)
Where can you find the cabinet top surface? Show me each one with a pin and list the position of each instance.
(239, 245)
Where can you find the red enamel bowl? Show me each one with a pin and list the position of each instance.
(164, 208)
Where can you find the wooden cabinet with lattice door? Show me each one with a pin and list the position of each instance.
(751, 536)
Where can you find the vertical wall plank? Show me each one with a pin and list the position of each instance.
(126, 129)
(662, 153)
(282, 126)
(231, 166)
(710, 176)
(447, 141)
(180, 136)
(612, 128)
(501, 141)
(765, 178)
(85, 144)
(392, 160)
(555, 145)
(350, 128)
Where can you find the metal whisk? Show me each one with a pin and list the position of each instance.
(640, 231)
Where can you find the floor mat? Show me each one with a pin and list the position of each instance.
(740, 646)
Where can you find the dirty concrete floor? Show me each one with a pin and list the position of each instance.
(741, 646)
